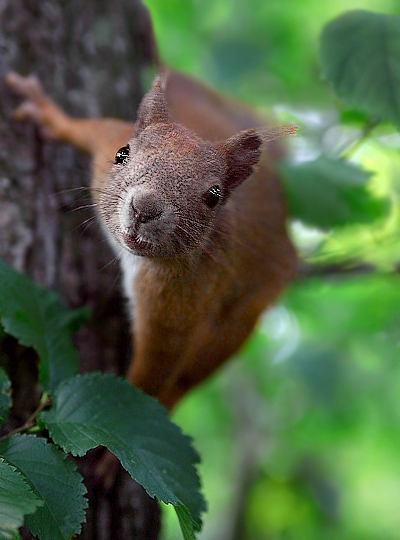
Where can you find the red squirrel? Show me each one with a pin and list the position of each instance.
(190, 200)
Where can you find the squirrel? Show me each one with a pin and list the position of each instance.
(189, 199)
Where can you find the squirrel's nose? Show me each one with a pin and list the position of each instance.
(145, 211)
(148, 216)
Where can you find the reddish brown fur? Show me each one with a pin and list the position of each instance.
(194, 308)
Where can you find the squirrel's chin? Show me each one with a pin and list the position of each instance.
(139, 246)
(136, 242)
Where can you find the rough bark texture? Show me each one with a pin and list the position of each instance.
(90, 56)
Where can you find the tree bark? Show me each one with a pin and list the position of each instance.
(90, 56)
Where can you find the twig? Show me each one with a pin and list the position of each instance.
(31, 421)
(353, 147)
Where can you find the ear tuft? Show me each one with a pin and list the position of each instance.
(241, 152)
(153, 108)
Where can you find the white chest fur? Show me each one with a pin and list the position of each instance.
(130, 265)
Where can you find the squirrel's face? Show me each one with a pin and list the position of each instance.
(167, 187)
(164, 192)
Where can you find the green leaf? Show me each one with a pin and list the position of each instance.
(16, 500)
(36, 317)
(185, 522)
(328, 192)
(96, 409)
(13, 535)
(55, 480)
(5, 397)
(360, 57)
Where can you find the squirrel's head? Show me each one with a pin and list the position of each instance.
(167, 186)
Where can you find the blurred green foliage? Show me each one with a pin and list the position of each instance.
(262, 52)
(360, 56)
(300, 436)
(326, 192)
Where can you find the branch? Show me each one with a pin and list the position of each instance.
(349, 267)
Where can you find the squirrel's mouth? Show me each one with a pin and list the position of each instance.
(136, 243)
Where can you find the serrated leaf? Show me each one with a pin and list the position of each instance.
(55, 480)
(16, 500)
(37, 318)
(96, 409)
(5, 397)
(185, 522)
(328, 192)
(360, 57)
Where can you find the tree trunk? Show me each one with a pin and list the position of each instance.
(90, 56)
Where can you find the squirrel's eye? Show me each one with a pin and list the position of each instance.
(212, 196)
(122, 155)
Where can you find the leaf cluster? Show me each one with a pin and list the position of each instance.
(39, 487)
(360, 59)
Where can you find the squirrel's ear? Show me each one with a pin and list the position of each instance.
(153, 108)
(243, 150)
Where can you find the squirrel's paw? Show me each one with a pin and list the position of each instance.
(37, 106)
(31, 89)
